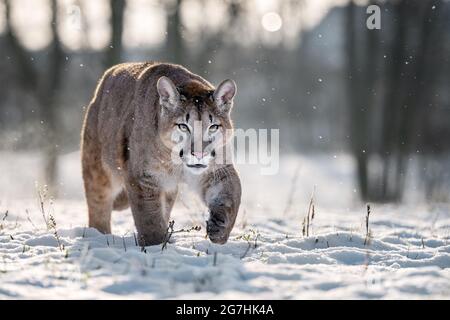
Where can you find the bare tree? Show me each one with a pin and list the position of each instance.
(358, 113)
(44, 88)
(174, 42)
(408, 79)
(114, 51)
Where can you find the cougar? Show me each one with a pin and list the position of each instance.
(149, 127)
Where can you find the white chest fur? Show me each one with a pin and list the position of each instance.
(193, 181)
(168, 183)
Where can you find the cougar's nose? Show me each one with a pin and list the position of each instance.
(199, 155)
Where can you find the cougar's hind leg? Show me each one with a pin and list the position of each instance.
(98, 189)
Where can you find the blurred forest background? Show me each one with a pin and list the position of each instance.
(308, 67)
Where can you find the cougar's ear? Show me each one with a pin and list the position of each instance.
(168, 93)
(224, 94)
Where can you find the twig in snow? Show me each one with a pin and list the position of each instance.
(168, 234)
(367, 238)
(193, 228)
(256, 240)
(3, 219)
(135, 239)
(124, 244)
(248, 237)
(246, 251)
(215, 259)
(171, 231)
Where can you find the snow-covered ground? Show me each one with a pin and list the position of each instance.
(406, 256)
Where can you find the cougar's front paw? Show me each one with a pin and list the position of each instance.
(216, 229)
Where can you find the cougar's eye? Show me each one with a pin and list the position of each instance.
(213, 128)
(183, 127)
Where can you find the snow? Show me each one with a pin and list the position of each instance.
(407, 255)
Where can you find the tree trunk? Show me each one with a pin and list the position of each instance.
(174, 43)
(44, 91)
(114, 51)
(357, 113)
(392, 109)
(49, 104)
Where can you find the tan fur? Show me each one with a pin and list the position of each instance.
(126, 151)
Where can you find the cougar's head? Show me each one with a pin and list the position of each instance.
(195, 122)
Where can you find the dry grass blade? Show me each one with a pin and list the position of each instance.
(252, 234)
(52, 225)
(29, 219)
(42, 195)
(307, 221)
(367, 238)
